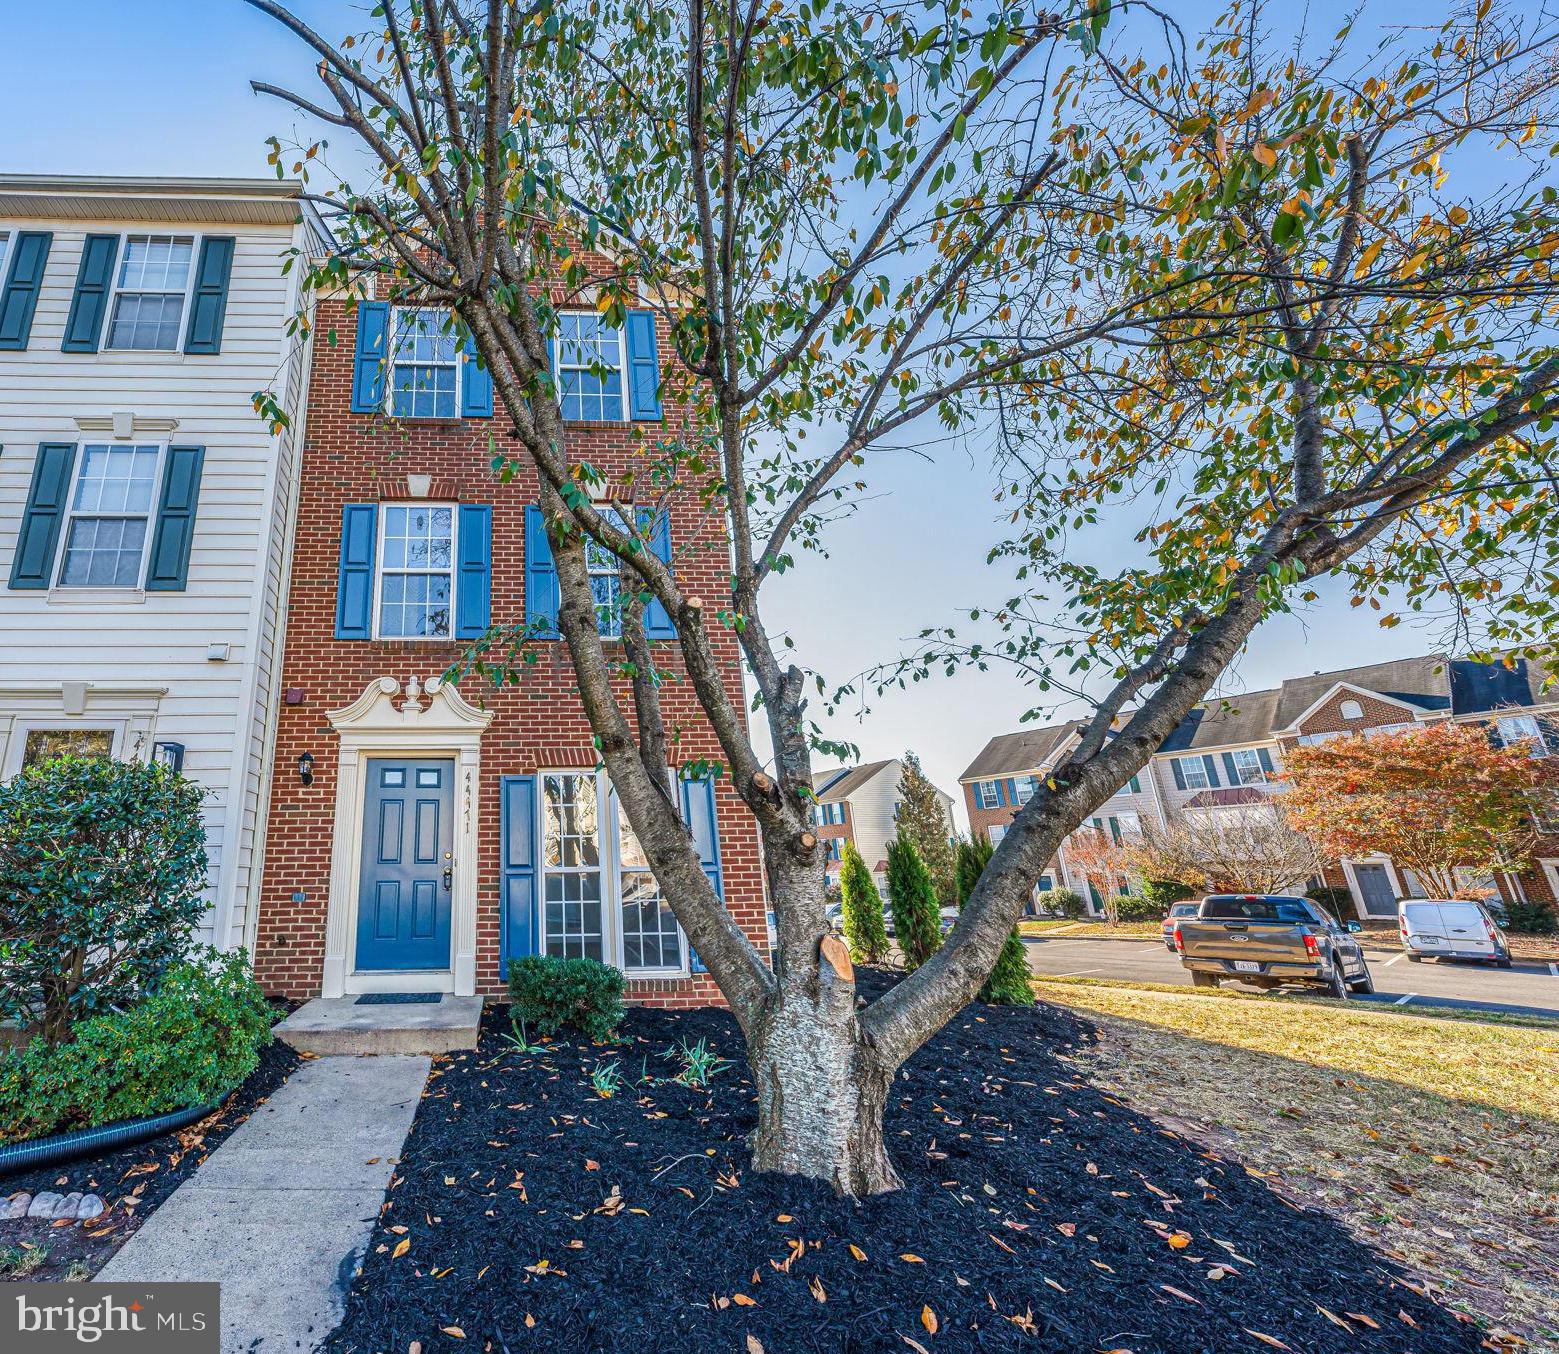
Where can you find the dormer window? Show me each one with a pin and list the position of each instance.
(1351, 710)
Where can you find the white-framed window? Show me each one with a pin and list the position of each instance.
(591, 362)
(42, 743)
(1193, 771)
(1313, 739)
(1515, 729)
(152, 281)
(605, 587)
(600, 900)
(1351, 710)
(996, 831)
(108, 516)
(1247, 761)
(1027, 787)
(424, 362)
(5, 249)
(1390, 728)
(987, 794)
(416, 583)
(1131, 787)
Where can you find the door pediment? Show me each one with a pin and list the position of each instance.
(427, 711)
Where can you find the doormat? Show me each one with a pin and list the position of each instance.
(399, 999)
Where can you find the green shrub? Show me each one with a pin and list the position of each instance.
(189, 1043)
(1068, 903)
(1531, 918)
(551, 993)
(917, 917)
(1165, 892)
(1008, 982)
(102, 865)
(1339, 902)
(861, 909)
(1138, 907)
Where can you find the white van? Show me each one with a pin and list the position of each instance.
(1450, 928)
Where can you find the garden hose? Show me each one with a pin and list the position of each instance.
(61, 1147)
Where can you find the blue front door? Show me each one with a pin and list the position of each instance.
(403, 905)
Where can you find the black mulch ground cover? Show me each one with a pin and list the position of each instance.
(1038, 1213)
(132, 1181)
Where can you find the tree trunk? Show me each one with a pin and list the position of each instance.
(821, 1095)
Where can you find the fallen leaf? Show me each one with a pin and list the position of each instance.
(1264, 1338)
(928, 1320)
(401, 1247)
(1179, 1241)
(454, 1332)
(909, 1259)
(857, 1252)
(1334, 1319)
(1363, 1320)
(913, 1344)
(742, 1300)
(1170, 1288)
(1067, 1228)
(754, 1346)
(784, 1217)
(818, 1291)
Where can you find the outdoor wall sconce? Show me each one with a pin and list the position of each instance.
(306, 768)
(170, 755)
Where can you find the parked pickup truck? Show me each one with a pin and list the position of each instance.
(1269, 939)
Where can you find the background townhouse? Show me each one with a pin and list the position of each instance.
(1226, 757)
(860, 804)
(144, 505)
(421, 834)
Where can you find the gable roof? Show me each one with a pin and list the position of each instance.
(1011, 753)
(1246, 718)
(1479, 688)
(843, 781)
(1423, 683)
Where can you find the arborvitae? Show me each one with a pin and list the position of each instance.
(922, 821)
(917, 917)
(1008, 983)
(862, 909)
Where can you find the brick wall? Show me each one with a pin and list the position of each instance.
(538, 723)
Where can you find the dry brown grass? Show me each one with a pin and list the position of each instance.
(1436, 1141)
(1091, 930)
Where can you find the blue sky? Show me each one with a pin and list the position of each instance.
(162, 88)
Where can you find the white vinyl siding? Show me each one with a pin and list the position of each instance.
(143, 656)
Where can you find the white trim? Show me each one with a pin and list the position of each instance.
(1397, 889)
(88, 592)
(1551, 873)
(396, 310)
(373, 725)
(1417, 711)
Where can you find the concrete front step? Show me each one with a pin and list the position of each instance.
(338, 1025)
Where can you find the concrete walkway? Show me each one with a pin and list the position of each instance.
(281, 1212)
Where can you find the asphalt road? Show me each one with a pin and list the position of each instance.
(1529, 988)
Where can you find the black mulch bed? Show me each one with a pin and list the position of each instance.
(132, 1181)
(1037, 1213)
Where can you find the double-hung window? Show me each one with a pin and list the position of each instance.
(151, 289)
(1193, 771)
(1515, 729)
(424, 364)
(590, 363)
(605, 585)
(1247, 761)
(600, 899)
(1027, 787)
(416, 570)
(987, 794)
(109, 517)
(5, 249)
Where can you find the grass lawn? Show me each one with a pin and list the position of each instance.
(1091, 930)
(1434, 1139)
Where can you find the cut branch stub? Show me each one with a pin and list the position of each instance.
(808, 840)
(837, 955)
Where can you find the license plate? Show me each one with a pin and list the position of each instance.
(1246, 966)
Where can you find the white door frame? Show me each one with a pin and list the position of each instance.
(1397, 888)
(374, 726)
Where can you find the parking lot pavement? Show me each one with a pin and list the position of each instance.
(1529, 988)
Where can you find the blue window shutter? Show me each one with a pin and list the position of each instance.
(1134, 785)
(1174, 765)
(168, 568)
(698, 812)
(33, 563)
(1212, 770)
(1231, 771)
(520, 933)
(84, 325)
(1265, 758)
(23, 282)
(657, 624)
(355, 582)
(476, 384)
(1001, 792)
(643, 367)
(474, 580)
(541, 579)
(208, 306)
(1011, 788)
(373, 332)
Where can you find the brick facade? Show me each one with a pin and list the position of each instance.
(538, 723)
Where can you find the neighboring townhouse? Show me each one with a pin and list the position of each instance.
(423, 835)
(860, 804)
(1226, 757)
(144, 504)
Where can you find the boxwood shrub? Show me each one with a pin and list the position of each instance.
(188, 1043)
(549, 993)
